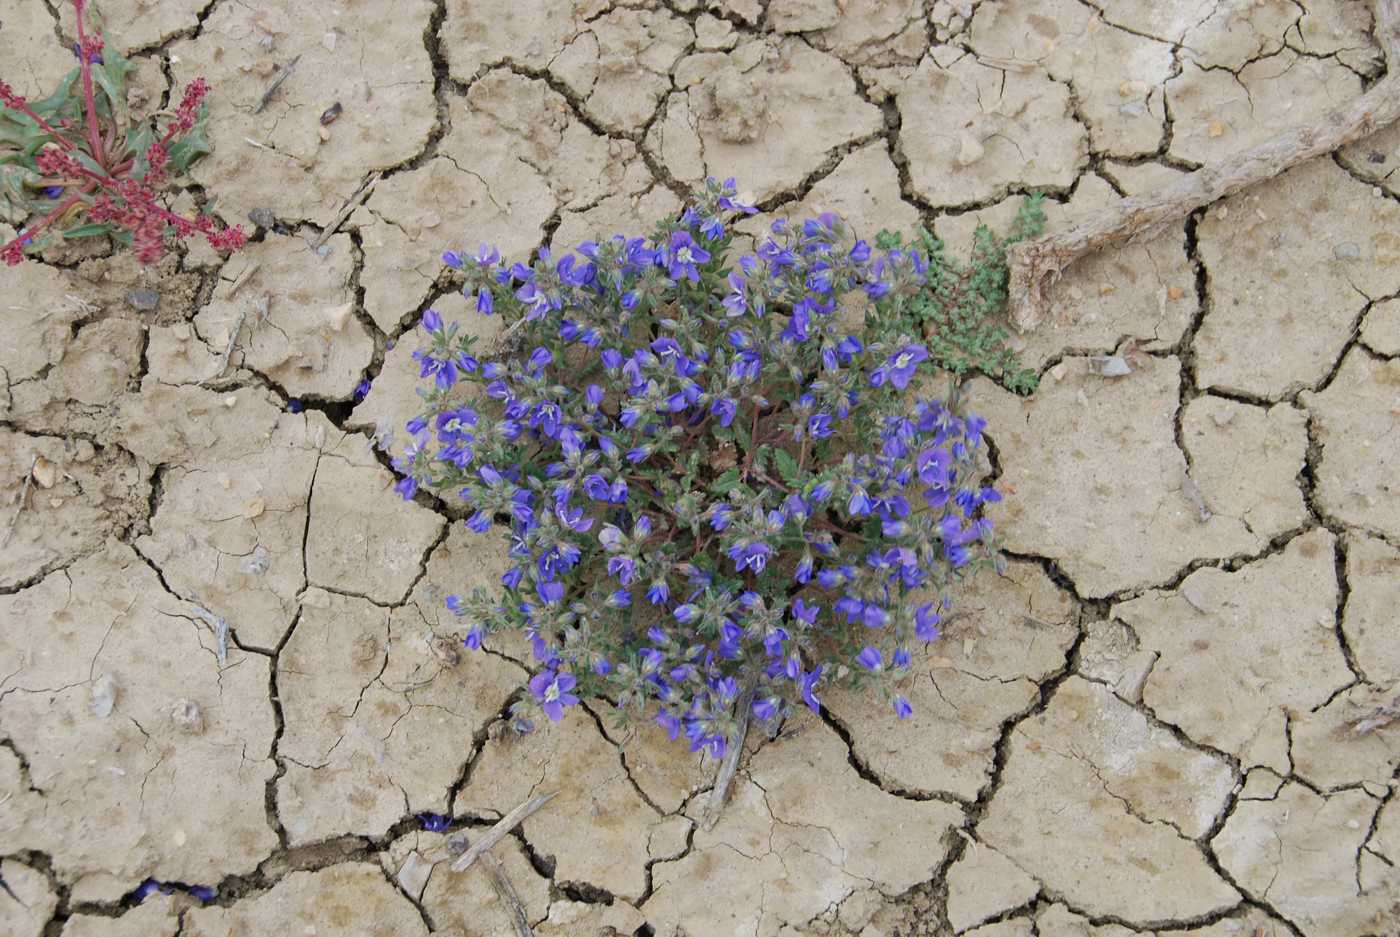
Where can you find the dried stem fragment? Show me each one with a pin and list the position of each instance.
(725, 778)
(506, 892)
(499, 832)
(1037, 263)
(351, 204)
(23, 497)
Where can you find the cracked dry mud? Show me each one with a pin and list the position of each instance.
(1166, 717)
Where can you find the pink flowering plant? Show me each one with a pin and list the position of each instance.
(717, 500)
(77, 164)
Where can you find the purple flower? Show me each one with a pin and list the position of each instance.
(804, 612)
(926, 623)
(53, 191)
(685, 614)
(902, 709)
(752, 556)
(432, 321)
(452, 259)
(670, 722)
(808, 686)
(361, 390)
(899, 367)
(552, 691)
(658, 593)
(433, 822)
(766, 707)
(295, 406)
(870, 658)
(680, 257)
(485, 303)
(407, 487)
(623, 568)
(443, 371)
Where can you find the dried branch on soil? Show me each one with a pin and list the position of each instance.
(499, 832)
(506, 892)
(1036, 264)
(352, 203)
(725, 778)
(23, 497)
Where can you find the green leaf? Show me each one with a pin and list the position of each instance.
(192, 145)
(786, 466)
(90, 230)
(138, 141)
(726, 482)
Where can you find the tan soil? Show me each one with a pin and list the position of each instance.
(1147, 725)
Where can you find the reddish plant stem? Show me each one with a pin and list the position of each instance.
(89, 102)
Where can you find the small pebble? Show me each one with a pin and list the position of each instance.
(230, 401)
(1216, 129)
(143, 300)
(104, 696)
(1346, 251)
(257, 562)
(1175, 292)
(255, 508)
(45, 473)
(186, 716)
(1110, 366)
(262, 217)
(329, 115)
(324, 133)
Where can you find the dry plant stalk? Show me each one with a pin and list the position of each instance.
(1037, 263)
(725, 778)
(23, 498)
(500, 831)
(506, 892)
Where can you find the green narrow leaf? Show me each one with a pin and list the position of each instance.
(786, 466)
(90, 230)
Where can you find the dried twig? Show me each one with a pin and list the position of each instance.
(506, 891)
(232, 341)
(499, 832)
(272, 89)
(1381, 717)
(23, 497)
(260, 306)
(243, 278)
(1036, 264)
(220, 629)
(351, 204)
(725, 778)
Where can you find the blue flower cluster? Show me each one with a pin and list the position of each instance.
(718, 497)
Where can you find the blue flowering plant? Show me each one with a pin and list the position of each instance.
(718, 499)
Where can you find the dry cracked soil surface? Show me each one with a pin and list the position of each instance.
(1168, 716)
